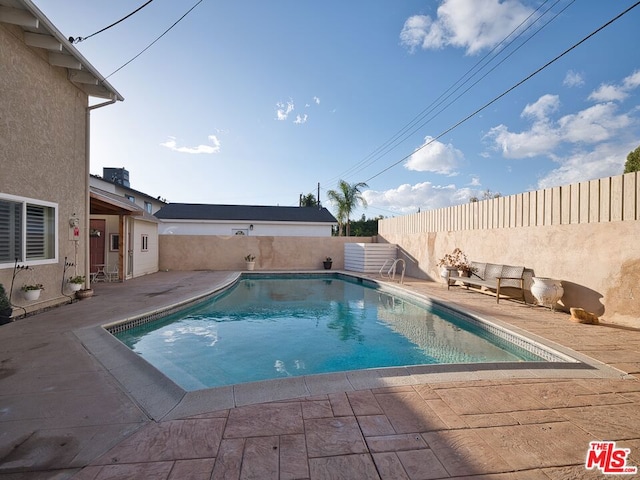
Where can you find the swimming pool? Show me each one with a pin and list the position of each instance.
(291, 325)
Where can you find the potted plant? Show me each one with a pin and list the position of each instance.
(327, 263)
(250, 260)
(32, 292)
(84, 293)
(455, 264)
(75, 283)
(5, 307)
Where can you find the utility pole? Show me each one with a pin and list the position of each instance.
(318, 197)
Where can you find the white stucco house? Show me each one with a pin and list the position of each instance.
(250, 220)
(127, 242)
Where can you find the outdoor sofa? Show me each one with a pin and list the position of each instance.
(490, 277)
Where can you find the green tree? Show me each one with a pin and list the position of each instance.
(633, 161)
(346, 197)
(365, 227)
(308, 200)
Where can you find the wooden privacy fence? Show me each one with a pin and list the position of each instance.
(603, 200)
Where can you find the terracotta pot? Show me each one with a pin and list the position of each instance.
(82, 294)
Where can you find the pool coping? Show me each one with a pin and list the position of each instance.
(163, 399)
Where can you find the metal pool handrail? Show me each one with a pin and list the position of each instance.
(391, 272)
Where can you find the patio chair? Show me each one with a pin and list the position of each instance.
(112, 274)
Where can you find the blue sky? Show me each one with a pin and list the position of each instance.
(255, 102)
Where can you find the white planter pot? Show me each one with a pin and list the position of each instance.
(31, 295)
(450, 273)
(547, 291)
(251, 265)
(74, 287)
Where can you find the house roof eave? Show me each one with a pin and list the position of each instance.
(105, 203)
(40, 32)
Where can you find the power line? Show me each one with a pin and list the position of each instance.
(477, 81)
(82, 39)
(387, 146)
(510, 89)
(152, 43)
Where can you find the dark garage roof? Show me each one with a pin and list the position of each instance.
(198, 211)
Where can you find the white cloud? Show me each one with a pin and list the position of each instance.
(301, 119)
(408, 198)
(284, 109)
(434, 156)
(594, 124)
(632, 81)
(541, 109)
(420, 31)
(171, 144)
(604, 160)
(608, 92)
(594, 136)
(573, 79)
(424, 196)
(316, 100)
(591, 125)
(540, 140)
(475, 181)
(471, 24)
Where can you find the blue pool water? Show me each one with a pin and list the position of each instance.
(277, 327)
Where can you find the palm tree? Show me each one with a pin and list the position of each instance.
(347, 198)
(308, 200)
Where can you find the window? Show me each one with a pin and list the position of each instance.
(27, 230)
(148, 207)
(145, 243)
(131, 198)
(114, 242)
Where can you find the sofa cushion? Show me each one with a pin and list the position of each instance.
(492, 271)
(512, 272)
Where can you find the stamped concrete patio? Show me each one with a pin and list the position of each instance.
(74, 404)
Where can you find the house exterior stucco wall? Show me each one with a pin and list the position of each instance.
(260, 228)
(598, 263)
(42, 154)
(205, 252)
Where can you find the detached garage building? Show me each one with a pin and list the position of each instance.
(248, 220)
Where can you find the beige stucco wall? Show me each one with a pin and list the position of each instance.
(204, 252)
(598, 263)
(42, 152)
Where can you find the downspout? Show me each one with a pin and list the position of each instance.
(87, 161)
